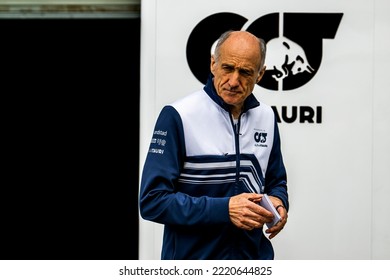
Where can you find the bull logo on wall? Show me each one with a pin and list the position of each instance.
(285, 58)
(294, 47)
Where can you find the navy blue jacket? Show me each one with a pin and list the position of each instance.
(197, 159)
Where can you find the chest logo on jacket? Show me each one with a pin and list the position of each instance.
(260, 139)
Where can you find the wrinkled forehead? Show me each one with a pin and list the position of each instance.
(241, 52)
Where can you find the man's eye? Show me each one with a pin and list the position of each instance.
(245, 73)
(227, 69)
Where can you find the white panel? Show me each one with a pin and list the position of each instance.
(329, 165)
(336, 169)
(150, 234)
(381, 133)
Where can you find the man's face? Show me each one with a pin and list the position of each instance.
(237, 71)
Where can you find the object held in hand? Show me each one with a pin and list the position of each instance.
(267, 204)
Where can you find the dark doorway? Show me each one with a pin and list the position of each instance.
(70, 90)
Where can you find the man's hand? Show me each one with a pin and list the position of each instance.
(283, 214)
(245, 212)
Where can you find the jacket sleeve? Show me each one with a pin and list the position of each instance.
(160, 201)
(276, 176)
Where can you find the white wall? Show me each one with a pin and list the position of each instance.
(337, 169)
(380, 248)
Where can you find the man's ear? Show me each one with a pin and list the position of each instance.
(261, 73)
(212, 64)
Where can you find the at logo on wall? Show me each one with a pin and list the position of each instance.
(294, 44)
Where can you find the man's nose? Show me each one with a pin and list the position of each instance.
(234, 79)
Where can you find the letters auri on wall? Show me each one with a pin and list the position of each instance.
(301, 114)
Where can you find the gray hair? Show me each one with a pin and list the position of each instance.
(225, 35)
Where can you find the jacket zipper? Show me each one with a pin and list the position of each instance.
(236, 127)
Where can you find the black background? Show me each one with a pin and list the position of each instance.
(70, 138)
